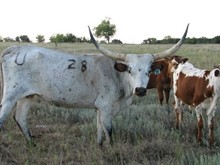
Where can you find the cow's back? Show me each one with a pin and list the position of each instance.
(191, 84)
(69, 79)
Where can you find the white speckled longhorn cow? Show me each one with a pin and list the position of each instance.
(197, 88)
(104, 82)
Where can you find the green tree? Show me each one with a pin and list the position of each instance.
(40, 38)
(216, 40)
(150, 41)
(25, 38)
(17, 39)
(58, 38)
(105, 29)
(1, 39)
(69, 37)
(53, 39)
(117, 41)
(8, 39)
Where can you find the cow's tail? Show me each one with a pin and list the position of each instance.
(5, 52)
(1, 81)
(1, 74)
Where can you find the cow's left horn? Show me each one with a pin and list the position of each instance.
(114, 55)
(173, 49)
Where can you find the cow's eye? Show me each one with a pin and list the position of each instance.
(157, 71)
(150, 71)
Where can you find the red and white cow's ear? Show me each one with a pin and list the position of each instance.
(184, 60)
(121, 67)
(217, 72)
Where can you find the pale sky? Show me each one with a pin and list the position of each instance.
(135, 20)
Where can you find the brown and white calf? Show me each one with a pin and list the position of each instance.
(163, 80)
(196, 87)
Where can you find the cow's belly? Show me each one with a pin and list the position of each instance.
(69, 101)
(79, 97)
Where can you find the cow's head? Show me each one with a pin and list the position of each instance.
(137, 66)
(217, 70)
(137, 70)
(216, 78)
(176, 61)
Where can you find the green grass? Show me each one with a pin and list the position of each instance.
(144, 133)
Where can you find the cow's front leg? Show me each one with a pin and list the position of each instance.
(167, 95)
(104, 124)
(199, 123)
(178, 111)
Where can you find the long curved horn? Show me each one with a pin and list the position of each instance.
(113, 55)
(173, 49)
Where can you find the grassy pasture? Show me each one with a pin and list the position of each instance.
(144, 133)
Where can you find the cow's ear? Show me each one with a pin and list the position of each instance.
(121, 67)
(184, 60)
(217, 66)
(216, 73)
(156, 67)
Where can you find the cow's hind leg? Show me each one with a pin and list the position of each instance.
(179, 113)
(211, 117)
(20, 117)
(6, 108)
(160, 95)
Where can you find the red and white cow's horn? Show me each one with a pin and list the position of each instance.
(173, 49)
(114, 55)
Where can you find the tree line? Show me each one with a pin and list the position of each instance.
(71, 38)
(170, 40)
(104, 29)
(58, 38)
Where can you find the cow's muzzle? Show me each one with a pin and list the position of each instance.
(140, 91)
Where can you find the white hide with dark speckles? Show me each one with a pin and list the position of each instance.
(69, 80)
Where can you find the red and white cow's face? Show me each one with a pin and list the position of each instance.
(176, 61)
(216, 79)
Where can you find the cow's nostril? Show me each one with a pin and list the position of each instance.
(140, 91)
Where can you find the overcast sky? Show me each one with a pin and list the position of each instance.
(135, 20)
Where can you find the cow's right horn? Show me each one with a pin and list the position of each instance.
(173, 49)
(114, 55)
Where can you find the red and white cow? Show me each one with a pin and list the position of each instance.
(163, 80)
(196, 88)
